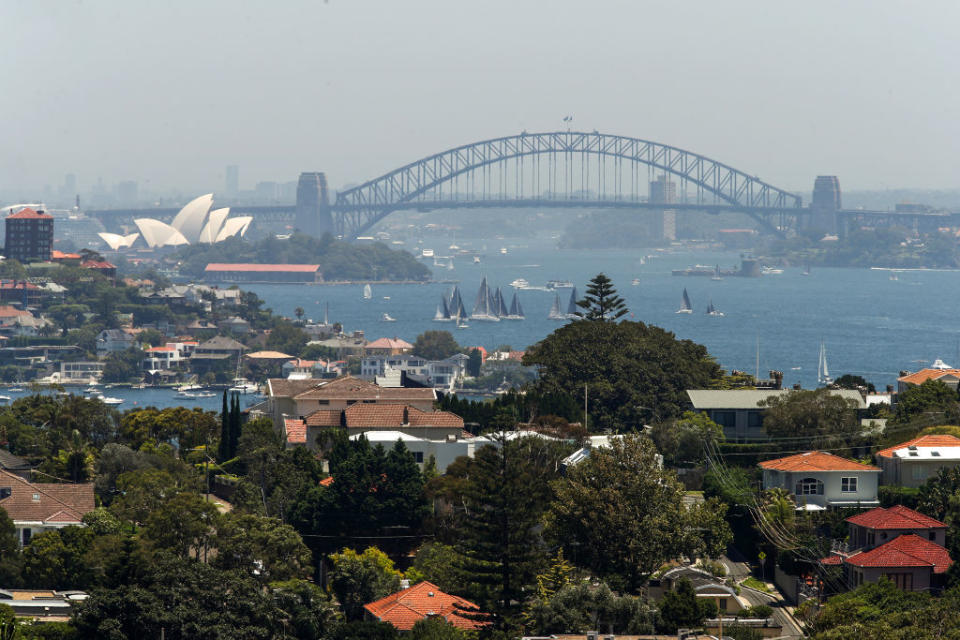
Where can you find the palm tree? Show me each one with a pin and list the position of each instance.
(299, 313)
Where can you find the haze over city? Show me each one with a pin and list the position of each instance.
(169, 94)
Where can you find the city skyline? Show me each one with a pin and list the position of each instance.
(356, 90)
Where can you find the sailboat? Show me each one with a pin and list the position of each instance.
(367, 292)
(461, 323)
(516, 311)
(443, 311)
(499, 305)
(572, 309)
(555, 309)
(685, 304)
(716, 274)
(823, 372)
(455, 305)
(484, 307)
(713, 311)
(806, 270)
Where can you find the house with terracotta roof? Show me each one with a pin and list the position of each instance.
(365, 418)
(911, 463)
(819, 480)
(899, 543)
(35, 507)
(388, 347)
(878, 526)
(939, 371)
(424, 600)
(289, 398)
(909, 561)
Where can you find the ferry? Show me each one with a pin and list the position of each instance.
(559, 284)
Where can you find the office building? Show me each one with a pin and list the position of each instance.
(29, 236)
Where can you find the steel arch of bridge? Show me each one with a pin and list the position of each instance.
(361, 207)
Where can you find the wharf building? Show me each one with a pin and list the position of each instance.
(29, 236)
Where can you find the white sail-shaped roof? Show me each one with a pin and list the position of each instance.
(190, 220)
(113, 240)
(159, 234)
(234, 227)
(214, 223)
(128, 240)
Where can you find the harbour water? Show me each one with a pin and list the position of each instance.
(872, 326)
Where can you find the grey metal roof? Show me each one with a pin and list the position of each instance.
(749, 398)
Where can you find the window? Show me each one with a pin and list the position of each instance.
(932, 535)
(903, 581)
(36, 497)
(26, 536)
(848, 485)
(809, 487)
(725, 418)
(418, 456)
(754, 420)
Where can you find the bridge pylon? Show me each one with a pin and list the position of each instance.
(313, 215)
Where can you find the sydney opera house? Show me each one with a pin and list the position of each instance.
(195, 223)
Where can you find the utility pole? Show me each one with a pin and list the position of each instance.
(585, 408)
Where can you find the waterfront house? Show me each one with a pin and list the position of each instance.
(820, 480)
(911, 463)
(739, 411)
(388, 347)
(423, 600)
(37, 507)
(939, 371)
(236, 325)
(878, 526)
(113, 341)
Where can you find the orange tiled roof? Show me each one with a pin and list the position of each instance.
(383, 416)
(56, 254)
(29, 213)
(326, 482)
(350, 388)
(6, 311)
(53, 503)
(932, 440)
(928, 374)
(896, 517)
(405, 608)
(905, 551)
(296, 431)
(816, 461)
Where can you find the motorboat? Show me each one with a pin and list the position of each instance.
(476, 259)
(185, 394)
(771, 271)
(107, 400)
(503, 251)
(386, 317)
(559, 284)
(519, 283)
(635, 282)
(242, 385)
(427, 253)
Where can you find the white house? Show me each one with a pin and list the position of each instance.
(820, 480)
(911, 463)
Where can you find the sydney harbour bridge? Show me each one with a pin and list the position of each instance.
(552, 170)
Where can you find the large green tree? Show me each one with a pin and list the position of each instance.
(932, 402)
(620, 515)
(359, 578)
(631, 371)
(821, 417)
(435, 345)
(601, 303)
(265, 546)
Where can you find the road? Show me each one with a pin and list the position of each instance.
(739, 569)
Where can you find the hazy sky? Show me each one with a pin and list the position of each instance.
(168, 93)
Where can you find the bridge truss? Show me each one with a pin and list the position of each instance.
(569, 167)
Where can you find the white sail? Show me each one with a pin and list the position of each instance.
(823, 371)
(367, 292)
(555, 309)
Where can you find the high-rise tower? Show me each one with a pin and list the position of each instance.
(825, 204)
(313, 205)
(663, 190)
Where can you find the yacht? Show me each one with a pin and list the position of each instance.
(685, 306)
(487, 305)
(771, 271)
(559, 284)
(476, 259)
(713, 311)
(386, 317)
(503, 251)
(519, 283)
(635, 282)
(427, 253)
(242, 385)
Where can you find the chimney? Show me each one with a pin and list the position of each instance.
(404, 584)
(406, 416)
(796, 386)
(343, 418)
(889, 388)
